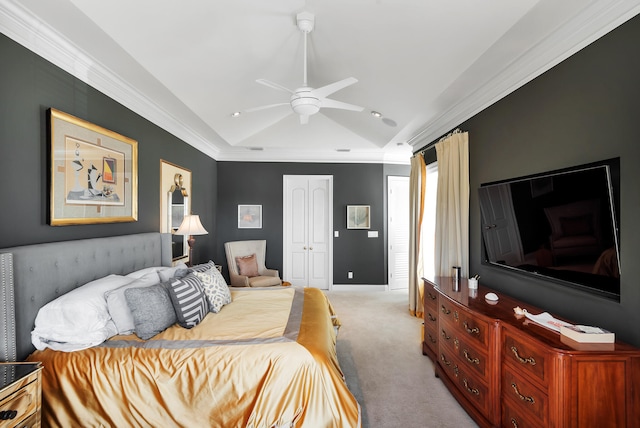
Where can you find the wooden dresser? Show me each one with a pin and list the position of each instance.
(506, 370)
(20, 395)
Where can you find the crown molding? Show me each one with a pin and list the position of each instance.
(25, 28)
(596, 20)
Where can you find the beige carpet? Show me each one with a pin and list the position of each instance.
(380, 353)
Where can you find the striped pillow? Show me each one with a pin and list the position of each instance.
(189, 300)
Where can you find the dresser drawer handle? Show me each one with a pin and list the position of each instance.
(431, 339)
(471, 390)
(456, 343)
(431, 317)
(529, 360)
(444, 334)
(7, 415)
(522, 397)
(471, 360)
(474, 330)
(455, 315)
(445, 310)
(444, 360)
(514, 423)
(431, 296)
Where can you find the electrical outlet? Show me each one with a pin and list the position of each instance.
(350, 275)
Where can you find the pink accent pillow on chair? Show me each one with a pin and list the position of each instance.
(247, 265)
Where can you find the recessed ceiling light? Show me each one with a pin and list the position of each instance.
(236, 114)
(256, 149)
(375, 113)
(343, 150)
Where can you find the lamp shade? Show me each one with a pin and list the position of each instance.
(191, 226)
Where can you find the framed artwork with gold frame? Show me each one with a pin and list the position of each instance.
(93, 173)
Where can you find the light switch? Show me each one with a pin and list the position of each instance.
(372, 234)
(336, 234)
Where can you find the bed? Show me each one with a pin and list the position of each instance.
(266, 359)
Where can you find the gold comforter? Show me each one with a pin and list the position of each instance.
(268, 359)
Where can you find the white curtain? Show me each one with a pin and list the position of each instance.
(417, 185)
(452, 206)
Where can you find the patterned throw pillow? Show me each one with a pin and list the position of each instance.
(189, 300)
(215, 288)
(203, 267)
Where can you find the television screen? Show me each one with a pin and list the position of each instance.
(560, 225)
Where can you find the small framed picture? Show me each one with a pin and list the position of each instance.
(249, 216)
(358, 216)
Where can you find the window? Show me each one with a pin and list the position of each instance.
(429, 221)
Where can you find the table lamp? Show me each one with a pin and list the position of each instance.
(191, 226)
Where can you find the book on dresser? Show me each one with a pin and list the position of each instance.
(587, 334)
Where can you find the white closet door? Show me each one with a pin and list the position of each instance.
(398, 229)
(307, 231)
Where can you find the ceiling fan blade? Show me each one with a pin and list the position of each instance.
(272, 85)
(327, 103)
(329, 89)
(249, 110)
(304, 119)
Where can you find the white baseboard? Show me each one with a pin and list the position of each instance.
(359, 287)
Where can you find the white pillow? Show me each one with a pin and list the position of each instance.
(142, 272)
(168, 272)
(78, 319)
(117, 303)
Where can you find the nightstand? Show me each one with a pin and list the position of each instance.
(20, 395)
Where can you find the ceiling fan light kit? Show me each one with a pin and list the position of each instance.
(304, 103)
(305, 100)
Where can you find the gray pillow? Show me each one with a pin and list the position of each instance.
(167, 273)
(151, 309)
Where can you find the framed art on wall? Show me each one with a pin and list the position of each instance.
(358, 216)
(249, 216)
(93, 173)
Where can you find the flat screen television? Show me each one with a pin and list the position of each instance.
(560, 225)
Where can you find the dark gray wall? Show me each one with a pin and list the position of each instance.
(583, 110)
(29, 85)
(353, 184)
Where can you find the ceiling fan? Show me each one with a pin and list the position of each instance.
(305, 100)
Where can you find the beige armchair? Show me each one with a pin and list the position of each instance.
(239, 261)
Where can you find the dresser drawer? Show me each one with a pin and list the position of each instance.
(448, 311)
(467, 381)
(447, 333)
(16, 406)
(473, 328)
(515, 417)
(431, 334)
(430, 298)
(525, 397)
(525, 356)
(471, 357)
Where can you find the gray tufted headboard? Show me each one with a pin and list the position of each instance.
(42, 272)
